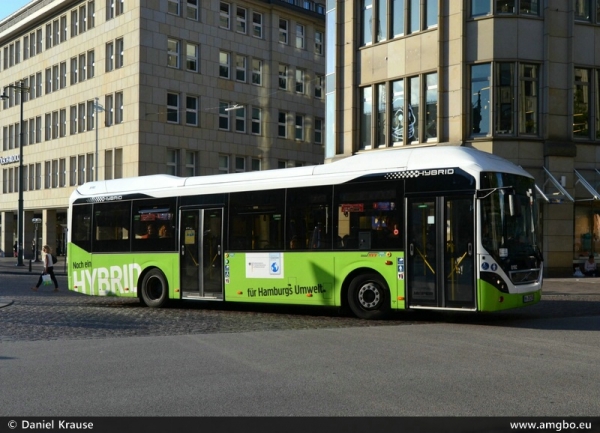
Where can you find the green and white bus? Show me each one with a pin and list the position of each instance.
(449, 228)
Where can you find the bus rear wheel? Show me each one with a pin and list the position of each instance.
(155, 291)
(368, 297)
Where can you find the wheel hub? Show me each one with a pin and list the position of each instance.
(369, 295)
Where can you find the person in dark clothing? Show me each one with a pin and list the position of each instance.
(48, 269)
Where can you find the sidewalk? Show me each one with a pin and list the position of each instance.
(8, 265)
(552, 286)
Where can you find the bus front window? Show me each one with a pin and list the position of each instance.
(508, 225)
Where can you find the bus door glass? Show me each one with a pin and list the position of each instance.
(440, 255)
(200, 250)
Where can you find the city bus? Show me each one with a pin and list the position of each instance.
(444, 228)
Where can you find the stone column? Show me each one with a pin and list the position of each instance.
(49, 228)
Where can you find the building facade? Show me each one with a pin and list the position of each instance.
(121, 88)
(517, 78)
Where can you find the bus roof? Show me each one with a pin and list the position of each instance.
(470, 160)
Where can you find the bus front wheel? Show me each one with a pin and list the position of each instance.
(155, 291)
(368, 297)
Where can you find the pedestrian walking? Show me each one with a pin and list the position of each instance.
(48, 269)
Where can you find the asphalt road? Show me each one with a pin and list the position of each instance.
(66, 354)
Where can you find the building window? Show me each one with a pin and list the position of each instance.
(48, 174)
(581, 106)
(73, 117)
(173, 7)
(119, 56)
(381, 31)
(80, 169)
(190, 164)
(240, 164)
(255, 164)
(172, 108)
(110, 9)
(118, 163)
(63, 122)
(431, 106)
(257, 66)
(90, 64)
(256, 120)
(80, 118)
(300, 36)
(55, 173)
(414, 16)
(299, 127)
(283, 74)
(319, 43)
(480, 7)
(62, 172)
(257, 25)
(74, 23)
(366, 117)
(224, 65)
(223, 164)
(240, 119)
(319, 79)
(119, 108)
(63, 75)
(191, 110)
(110, 49)
(480, 99)
(92, 14)
(224, 15)
(224, 116)
(282, 124)
(48, 121)
(240, 24)
(582, 10)
(299, 81)
(82, 19)
(108, 110)
(108, 164)
(192, 10)
(91, 114)
(82, 68)
(318, 131)
(173, 53)
(172, 161)
(240, 68)
(191, 52)
(283, 31)
(367, 22)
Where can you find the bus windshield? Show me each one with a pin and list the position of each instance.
(508, 225)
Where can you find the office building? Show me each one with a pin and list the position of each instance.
(517, 78)
(121, 88)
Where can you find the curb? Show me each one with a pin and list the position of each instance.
(5, 302)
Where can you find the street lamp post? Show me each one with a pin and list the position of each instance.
(36, 221)
(21, 88)
(97, 107)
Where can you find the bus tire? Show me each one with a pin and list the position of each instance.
(155, 290)
(368, 297)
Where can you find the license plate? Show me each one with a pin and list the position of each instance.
(527, 298)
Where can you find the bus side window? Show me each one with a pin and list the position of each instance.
(257, 220)
(309, 220)
(368, 217)
(82, 226)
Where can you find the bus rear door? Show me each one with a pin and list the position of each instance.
(440, 256)
(201, 241)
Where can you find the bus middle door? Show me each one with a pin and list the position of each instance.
(201, 241)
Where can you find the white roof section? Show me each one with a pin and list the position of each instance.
(404, 159)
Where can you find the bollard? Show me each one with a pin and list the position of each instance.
(29, 265)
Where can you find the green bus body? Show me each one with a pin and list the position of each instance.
(305, 278)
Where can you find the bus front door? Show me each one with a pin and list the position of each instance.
(201, 239)
(440, 257)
